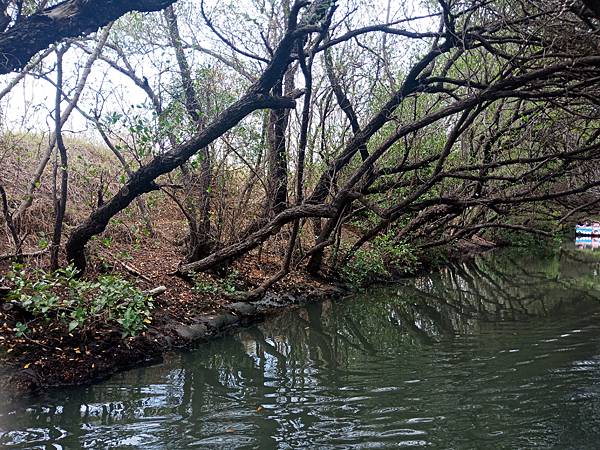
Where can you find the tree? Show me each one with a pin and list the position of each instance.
(410, 132)
(142, 181)
(23, 36)
(459, 98)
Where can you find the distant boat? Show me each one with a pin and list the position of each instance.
(588, 229)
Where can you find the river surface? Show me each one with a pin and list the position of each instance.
(499, 352)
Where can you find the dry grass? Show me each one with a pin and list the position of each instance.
(91, 168)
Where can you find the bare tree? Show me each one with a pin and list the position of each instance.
(257, 97)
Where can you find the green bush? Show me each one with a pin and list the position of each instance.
(364, 265)
(378, 262)
(227, 285)
(78, 303)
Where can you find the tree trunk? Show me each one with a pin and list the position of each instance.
(143, 179)
(35, 181)
(200, 241)
(277, 160)
(61, 203)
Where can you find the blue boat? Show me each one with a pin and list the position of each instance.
(583, 229)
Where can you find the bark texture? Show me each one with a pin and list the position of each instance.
(71, 18)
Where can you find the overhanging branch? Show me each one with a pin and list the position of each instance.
(70, 18)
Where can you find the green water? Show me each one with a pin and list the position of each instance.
(501, 352)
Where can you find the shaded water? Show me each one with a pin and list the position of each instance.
(501, 352)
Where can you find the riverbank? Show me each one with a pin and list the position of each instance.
(49, 356)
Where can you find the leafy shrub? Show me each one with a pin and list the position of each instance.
(378, 262)
(227, 285)
(80, 303)
(364, 265)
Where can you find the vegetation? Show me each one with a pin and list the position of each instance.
(219, 150)
(226, 285)
(80, 304)
(381, 262)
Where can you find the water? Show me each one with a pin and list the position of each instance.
(502, 352)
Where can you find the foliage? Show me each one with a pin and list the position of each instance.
(518, 238)
(458, 145)
(365, 265)
(79, 303)
(227, 285)
(384, 258)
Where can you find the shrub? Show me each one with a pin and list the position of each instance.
(227, 285)
(378, 262)
(78, 303)
(364, 265)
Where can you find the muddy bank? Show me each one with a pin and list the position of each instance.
(37, 367)
(30, 365)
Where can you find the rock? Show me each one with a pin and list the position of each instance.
(222, 321)
(242, 309)
(240, 296)
(156, 291)
(272, 302)
(192, 332)
(289, 299)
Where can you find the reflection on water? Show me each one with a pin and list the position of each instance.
(502, 352)
(587, 242)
